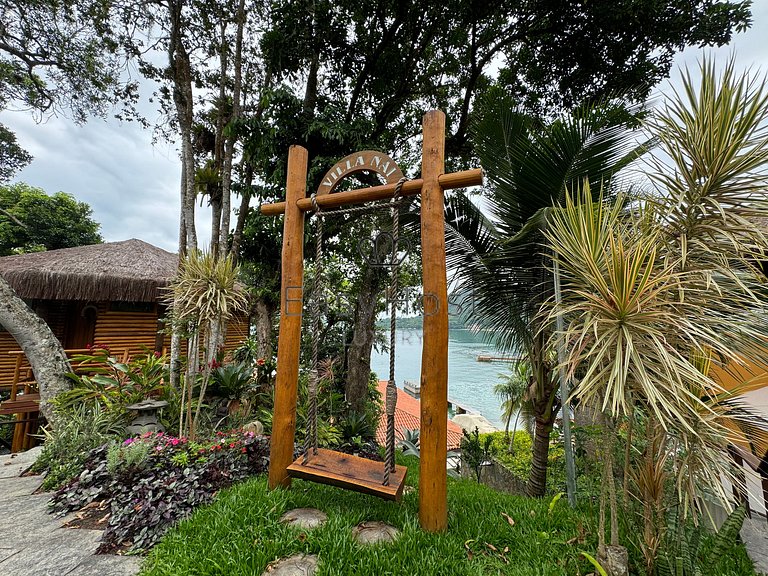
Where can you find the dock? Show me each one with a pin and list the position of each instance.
(485, 358)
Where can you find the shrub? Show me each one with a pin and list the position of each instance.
(66, 447)
(476, 451)
(153, 481)
(113, 384)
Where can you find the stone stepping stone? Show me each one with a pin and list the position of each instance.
(305, 518)
(374, 532)
(296, 565)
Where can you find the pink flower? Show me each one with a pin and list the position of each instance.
(128, 441)
(175, 441)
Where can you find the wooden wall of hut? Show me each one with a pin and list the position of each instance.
(118, 325)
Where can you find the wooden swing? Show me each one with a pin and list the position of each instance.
(337, 468)
(341, 469)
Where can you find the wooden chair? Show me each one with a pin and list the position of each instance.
(24, 401)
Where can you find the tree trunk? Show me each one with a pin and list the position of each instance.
(359, 351)
(43, 350)
(229, 144)
(542, 394)
(242, 213)
(264, 314)
(537, 482)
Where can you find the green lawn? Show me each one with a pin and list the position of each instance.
(239, 534)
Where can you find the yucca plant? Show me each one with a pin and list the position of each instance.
(656, 294)
(203, 297)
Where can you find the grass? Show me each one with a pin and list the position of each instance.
(239, 534)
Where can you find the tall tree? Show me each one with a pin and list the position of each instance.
(349, 76)
(31, 220)
(54, 58)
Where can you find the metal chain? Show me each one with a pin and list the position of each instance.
(355, 209)
(391, 401)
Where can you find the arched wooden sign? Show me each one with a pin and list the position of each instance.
(365, 161)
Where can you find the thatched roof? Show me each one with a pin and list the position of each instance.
(130, 270)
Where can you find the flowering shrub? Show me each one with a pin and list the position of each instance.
(173, 476)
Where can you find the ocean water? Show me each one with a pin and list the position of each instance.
(470, 383)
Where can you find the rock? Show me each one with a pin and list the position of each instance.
(256, 427)
(615, 561)
(296, 565)
(305, 518)
(374, 532)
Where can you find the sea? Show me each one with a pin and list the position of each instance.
(470, 383)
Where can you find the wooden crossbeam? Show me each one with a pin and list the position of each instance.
(450, 181)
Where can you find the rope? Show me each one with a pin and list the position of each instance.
(391, 400)
(310, 441)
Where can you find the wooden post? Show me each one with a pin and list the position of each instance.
(289, 338)
(433, 481)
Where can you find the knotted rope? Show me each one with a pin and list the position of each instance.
(391, 401)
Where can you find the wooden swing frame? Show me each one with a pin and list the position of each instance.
(433, 502)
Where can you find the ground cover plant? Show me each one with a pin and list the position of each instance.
(148, 483)
(488, 533)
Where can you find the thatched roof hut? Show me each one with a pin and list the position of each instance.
(127, 271)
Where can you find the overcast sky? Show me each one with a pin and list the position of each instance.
(133, 185)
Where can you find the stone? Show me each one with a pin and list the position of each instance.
(15, 464)
(256, 427)
(615, 561)
(22, 486)
(107, 565)
(374, 532)
(305, 518)
(296, 565)
(754, 534)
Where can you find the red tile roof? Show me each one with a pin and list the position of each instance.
(408, 417)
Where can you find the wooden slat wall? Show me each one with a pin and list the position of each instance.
(237, 331)
(135, 331)
(118, 330)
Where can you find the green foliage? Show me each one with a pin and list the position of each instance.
(205, 289)
(113, 384)
(220, 538)
(60, 56)
(476, 451)
(683, 552)
(127, 457)
(231, 380)
(728, 533)
(31, 220)
(153, 481)
(12, 156)
(66, 447)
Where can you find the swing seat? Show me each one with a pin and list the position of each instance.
(350, 472)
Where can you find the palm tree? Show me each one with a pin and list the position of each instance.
(512, 391)
(499, 257)
(655, 295)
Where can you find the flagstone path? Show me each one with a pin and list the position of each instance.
(34, 543)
